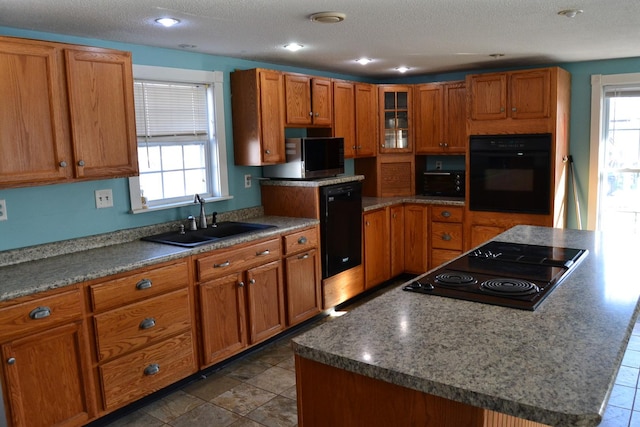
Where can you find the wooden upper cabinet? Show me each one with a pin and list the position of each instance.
(100, 86)
(366, 106)
(67, 112)
(308, 100)
(344, 116)
(395, 106)
(455, 117)
(429, 103)
(34, 140)
(517, 95)
(257, 102)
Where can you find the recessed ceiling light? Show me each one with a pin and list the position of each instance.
(167, 22)
(293, 47)
(363, 61)
(402, 69)
(570, 13)
(328, 17)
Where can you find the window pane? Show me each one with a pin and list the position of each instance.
(172, 157)
(173, 184)
(195, 181)
(149, 158)
(151, 185)
(194, 156)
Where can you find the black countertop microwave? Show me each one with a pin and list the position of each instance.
(443, 183)
(309, 158)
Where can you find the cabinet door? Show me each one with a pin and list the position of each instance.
(223, 317)
(376, 247)
(416, 219)
(488, 96)
(396, 135)
(34, 140)
(100, 87)
(429, 118)
(271, 117)
(344, 116)
(529, 94)
(396, 244)
(46, 378)
(304, 298)
(265, 301)
(321, 102)
(366, 99)
(455, 119)
(297, 93)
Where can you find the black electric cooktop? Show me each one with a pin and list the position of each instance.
(502, 273)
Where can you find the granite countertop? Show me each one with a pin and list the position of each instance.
(555, 365)
(29, 277)
(372, 203)
(340, 179)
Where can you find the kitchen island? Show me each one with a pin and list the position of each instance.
(434, 361)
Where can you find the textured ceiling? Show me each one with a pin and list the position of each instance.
(429, 36)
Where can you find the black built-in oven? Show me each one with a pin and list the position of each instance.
(510, 173)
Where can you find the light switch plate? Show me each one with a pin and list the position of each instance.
(104, 199)
(3, 210)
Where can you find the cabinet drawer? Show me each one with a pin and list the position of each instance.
(446, 236)
(447, 213)
(301, 241)
(118, 292)
(130, 377)
(229, 261)
(38, 314)
(135, 325)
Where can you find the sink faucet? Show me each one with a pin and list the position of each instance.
(202, 220)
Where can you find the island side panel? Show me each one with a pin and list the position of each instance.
(329, 396)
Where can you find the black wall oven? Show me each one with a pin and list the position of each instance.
(510, 173)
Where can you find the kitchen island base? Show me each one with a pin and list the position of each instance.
(329, 396)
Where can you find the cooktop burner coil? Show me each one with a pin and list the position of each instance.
(510, 287)
(455, 279)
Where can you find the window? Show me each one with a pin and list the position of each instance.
(180, 132)
(616, 153)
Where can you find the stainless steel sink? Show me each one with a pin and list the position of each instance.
(223, 230)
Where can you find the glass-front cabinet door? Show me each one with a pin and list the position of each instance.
(395, 129)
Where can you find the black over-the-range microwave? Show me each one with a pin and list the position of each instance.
(309, 158)
(443, 183)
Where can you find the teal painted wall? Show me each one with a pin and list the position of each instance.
(65, 211)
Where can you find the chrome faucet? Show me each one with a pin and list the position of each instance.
(202, 220)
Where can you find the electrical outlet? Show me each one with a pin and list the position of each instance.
(104, 199)
(438, 165)
(3, 210)
(247, 181)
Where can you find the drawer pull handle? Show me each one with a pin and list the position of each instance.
(446, 237)
(40, 313)
(11, 361)
(148, 323)
(222, 265)
(302, 240)
(305, 256)
(265, 252)
(445, 214)
(143, 284)
(152, 369)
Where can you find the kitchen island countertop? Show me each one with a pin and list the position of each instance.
(555, 365)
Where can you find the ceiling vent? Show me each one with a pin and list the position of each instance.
(328, 17)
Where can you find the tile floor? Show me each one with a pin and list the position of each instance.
(258, 390)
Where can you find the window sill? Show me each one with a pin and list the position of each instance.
(177, 205)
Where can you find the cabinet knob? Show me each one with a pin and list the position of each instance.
(514, 109)
(63, 164)
(359, 147)
(445, 214)
(143, 284)
(40, 313)
(267, 151)
(310, 113)
(252, 281)
(241, 284)
(317, 114)
(502, 109)
(445, 144)
(152, 369)
(302, 240)
(366, 223)
(446, 237)
(81, 163)
(11, 361)
(148, 323)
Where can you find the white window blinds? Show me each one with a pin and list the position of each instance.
(170, 111)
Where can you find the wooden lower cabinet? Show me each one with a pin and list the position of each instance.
(396, 237)
(329, 396)
(482, 226)
(446, 237)
(265, 301)
(46, 368)
(375, 244)
(416, 222)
